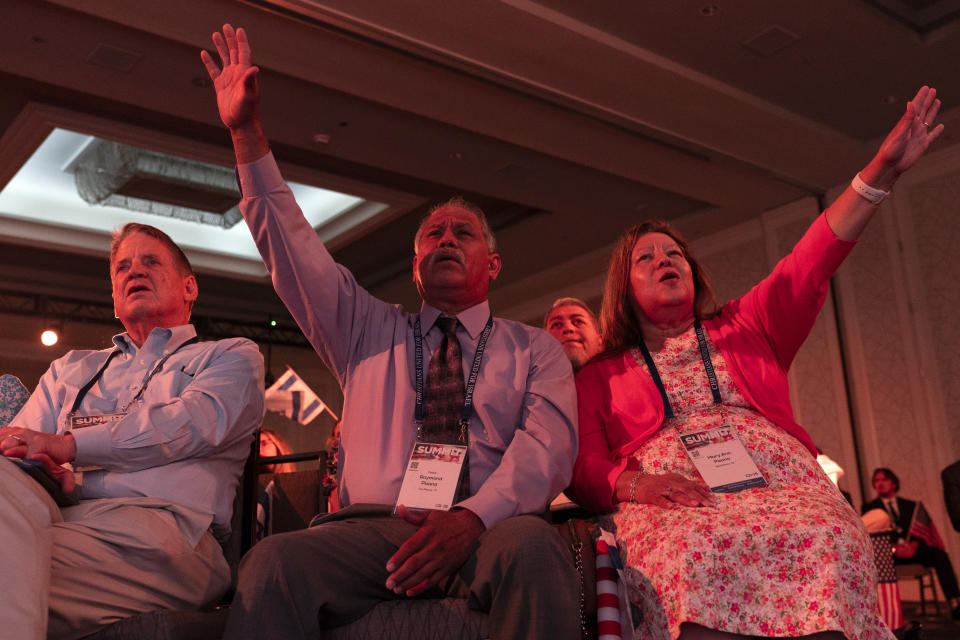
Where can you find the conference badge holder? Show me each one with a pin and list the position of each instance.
(433, 471)
(722, 460)
(75, 422)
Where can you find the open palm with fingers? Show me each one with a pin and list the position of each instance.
(913, 133)
(235, 79)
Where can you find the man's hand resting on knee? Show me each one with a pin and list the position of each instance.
(438, 549)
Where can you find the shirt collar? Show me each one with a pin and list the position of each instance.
(161, 339)
(473, 319)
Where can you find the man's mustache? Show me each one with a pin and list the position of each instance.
(446, 254)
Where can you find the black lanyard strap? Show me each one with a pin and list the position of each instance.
(85, 388)
(707, 365)
(156, 369)
(471, 380)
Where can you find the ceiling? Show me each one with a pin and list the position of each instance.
(566, 120)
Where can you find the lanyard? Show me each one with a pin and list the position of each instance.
(707, 365)
(471, 381)
(83, 390)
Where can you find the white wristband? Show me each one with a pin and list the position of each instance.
(871, 194)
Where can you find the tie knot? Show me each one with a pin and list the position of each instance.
(448, 326)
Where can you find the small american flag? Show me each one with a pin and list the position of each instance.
(888, 589)
(922, 528)
(608, 599)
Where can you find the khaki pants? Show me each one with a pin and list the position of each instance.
(69, 572)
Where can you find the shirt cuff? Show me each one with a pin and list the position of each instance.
(490, 512)
(93, 445)
(259, 177)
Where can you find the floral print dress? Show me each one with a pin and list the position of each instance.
(788, 559)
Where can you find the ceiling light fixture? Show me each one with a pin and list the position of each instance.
(119, 175)
(49, 337)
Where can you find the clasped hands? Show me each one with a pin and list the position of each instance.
(439, 548)
(52, 450)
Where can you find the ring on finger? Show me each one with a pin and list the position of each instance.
(925, 124)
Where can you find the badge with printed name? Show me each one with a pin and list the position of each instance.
(79, 422)
(430, 481)
(722, 460)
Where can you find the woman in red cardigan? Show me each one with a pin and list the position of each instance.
(689, 443)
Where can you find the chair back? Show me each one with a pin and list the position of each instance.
(13, 395)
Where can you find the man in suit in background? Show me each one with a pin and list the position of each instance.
(887, 484)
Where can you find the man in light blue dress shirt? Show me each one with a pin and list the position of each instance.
(157, 429)
(521, 431)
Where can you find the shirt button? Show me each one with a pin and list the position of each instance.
(132, 387)
(141, 360)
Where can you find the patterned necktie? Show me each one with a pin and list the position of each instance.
(443, 401)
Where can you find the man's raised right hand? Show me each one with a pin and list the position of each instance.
(238, 94)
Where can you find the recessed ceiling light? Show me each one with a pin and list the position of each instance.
(321, 138)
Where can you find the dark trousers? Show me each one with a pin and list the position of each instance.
(292, 585)
(940, 562)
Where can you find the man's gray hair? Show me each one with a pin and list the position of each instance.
(571, 302)
(180, 260)
(459, 203)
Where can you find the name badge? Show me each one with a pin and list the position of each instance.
(722, 460)
(430, 481)
(79, 422)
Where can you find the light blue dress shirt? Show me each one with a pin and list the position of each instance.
(523, 435)
(185, 439)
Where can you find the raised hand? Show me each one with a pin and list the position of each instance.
(849, 215)
(238, 95)
(436, 551)
(914, 132)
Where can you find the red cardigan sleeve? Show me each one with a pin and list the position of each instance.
(596, 471)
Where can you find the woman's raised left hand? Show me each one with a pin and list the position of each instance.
(913, 133)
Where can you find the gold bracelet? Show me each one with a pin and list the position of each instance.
(633, 486)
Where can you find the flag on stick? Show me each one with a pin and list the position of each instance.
(888, 589)
(291, 396)
(922, 528)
